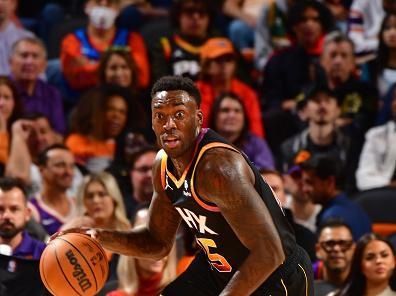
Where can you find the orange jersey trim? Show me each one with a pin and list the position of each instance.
(193, 192)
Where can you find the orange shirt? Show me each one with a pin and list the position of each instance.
(84, 148)
(82, 73)
(246, 93)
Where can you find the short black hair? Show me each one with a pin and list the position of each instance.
(43, 156)
(333, 223)
(169, 83)
(297, 10)
(325, 166)
(8, 183)
(317, 87)
(177, 7)
(139, 152)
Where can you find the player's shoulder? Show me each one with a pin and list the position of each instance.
(221, 160)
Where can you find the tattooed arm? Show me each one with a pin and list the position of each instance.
(154, 240)
(224, 178)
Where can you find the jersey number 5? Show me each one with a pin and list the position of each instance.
(217, 261)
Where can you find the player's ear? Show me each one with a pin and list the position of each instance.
(200, 116)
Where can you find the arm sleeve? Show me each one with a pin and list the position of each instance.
(368, 173)
(139, 55)
(79, 71)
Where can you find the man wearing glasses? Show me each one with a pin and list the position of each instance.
(334, 249)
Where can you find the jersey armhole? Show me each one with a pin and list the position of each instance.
(203, 203)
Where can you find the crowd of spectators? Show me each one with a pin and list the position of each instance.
(306, 89)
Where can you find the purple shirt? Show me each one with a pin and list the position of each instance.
(29, 248)
(258, 152)
(46, 100)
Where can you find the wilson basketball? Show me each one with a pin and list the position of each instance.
(73, 264)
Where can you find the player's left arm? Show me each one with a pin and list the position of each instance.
(224, 178)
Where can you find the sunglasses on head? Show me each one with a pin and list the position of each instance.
(330, 245)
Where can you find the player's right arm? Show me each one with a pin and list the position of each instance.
(154, 240)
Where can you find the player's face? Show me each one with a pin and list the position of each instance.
(378, 262)
(99, 204)
(115, 116)
(141, 175)
(176, 121)
(7, 102)
(59, 170)
(118, 72)
(14, 213)
(335, 248)
(28, 61)
(230, 119)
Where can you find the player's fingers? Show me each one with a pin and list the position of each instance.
(54, 236)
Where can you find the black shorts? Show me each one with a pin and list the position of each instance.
(293, 278)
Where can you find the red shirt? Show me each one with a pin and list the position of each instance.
(82, 73)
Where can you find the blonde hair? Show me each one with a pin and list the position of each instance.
(128, 279)
(120, 220)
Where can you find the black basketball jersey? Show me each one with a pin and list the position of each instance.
(182, 57)
(214, 235)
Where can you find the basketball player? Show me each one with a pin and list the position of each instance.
(248, 245)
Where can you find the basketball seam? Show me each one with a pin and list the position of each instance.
(64, 275)
(83, 257)
(46, 283)
(101, 250)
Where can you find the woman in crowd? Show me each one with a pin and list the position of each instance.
(372, 270)
(118, 68)
(218, 75)
(382, 70)
(10, 110)
(99, 204)
(101, 117)
(229, 119)
(144, 277)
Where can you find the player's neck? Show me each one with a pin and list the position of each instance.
(12, 242)
(183, 161)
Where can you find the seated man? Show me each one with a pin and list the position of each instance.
(322, 178)
(27, 62)
(179, 53)
(9, 34)
(334, 249)
(81, 50)
(14, 215)
(30, 137)
(52, 207)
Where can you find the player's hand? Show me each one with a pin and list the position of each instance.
(83, 230)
